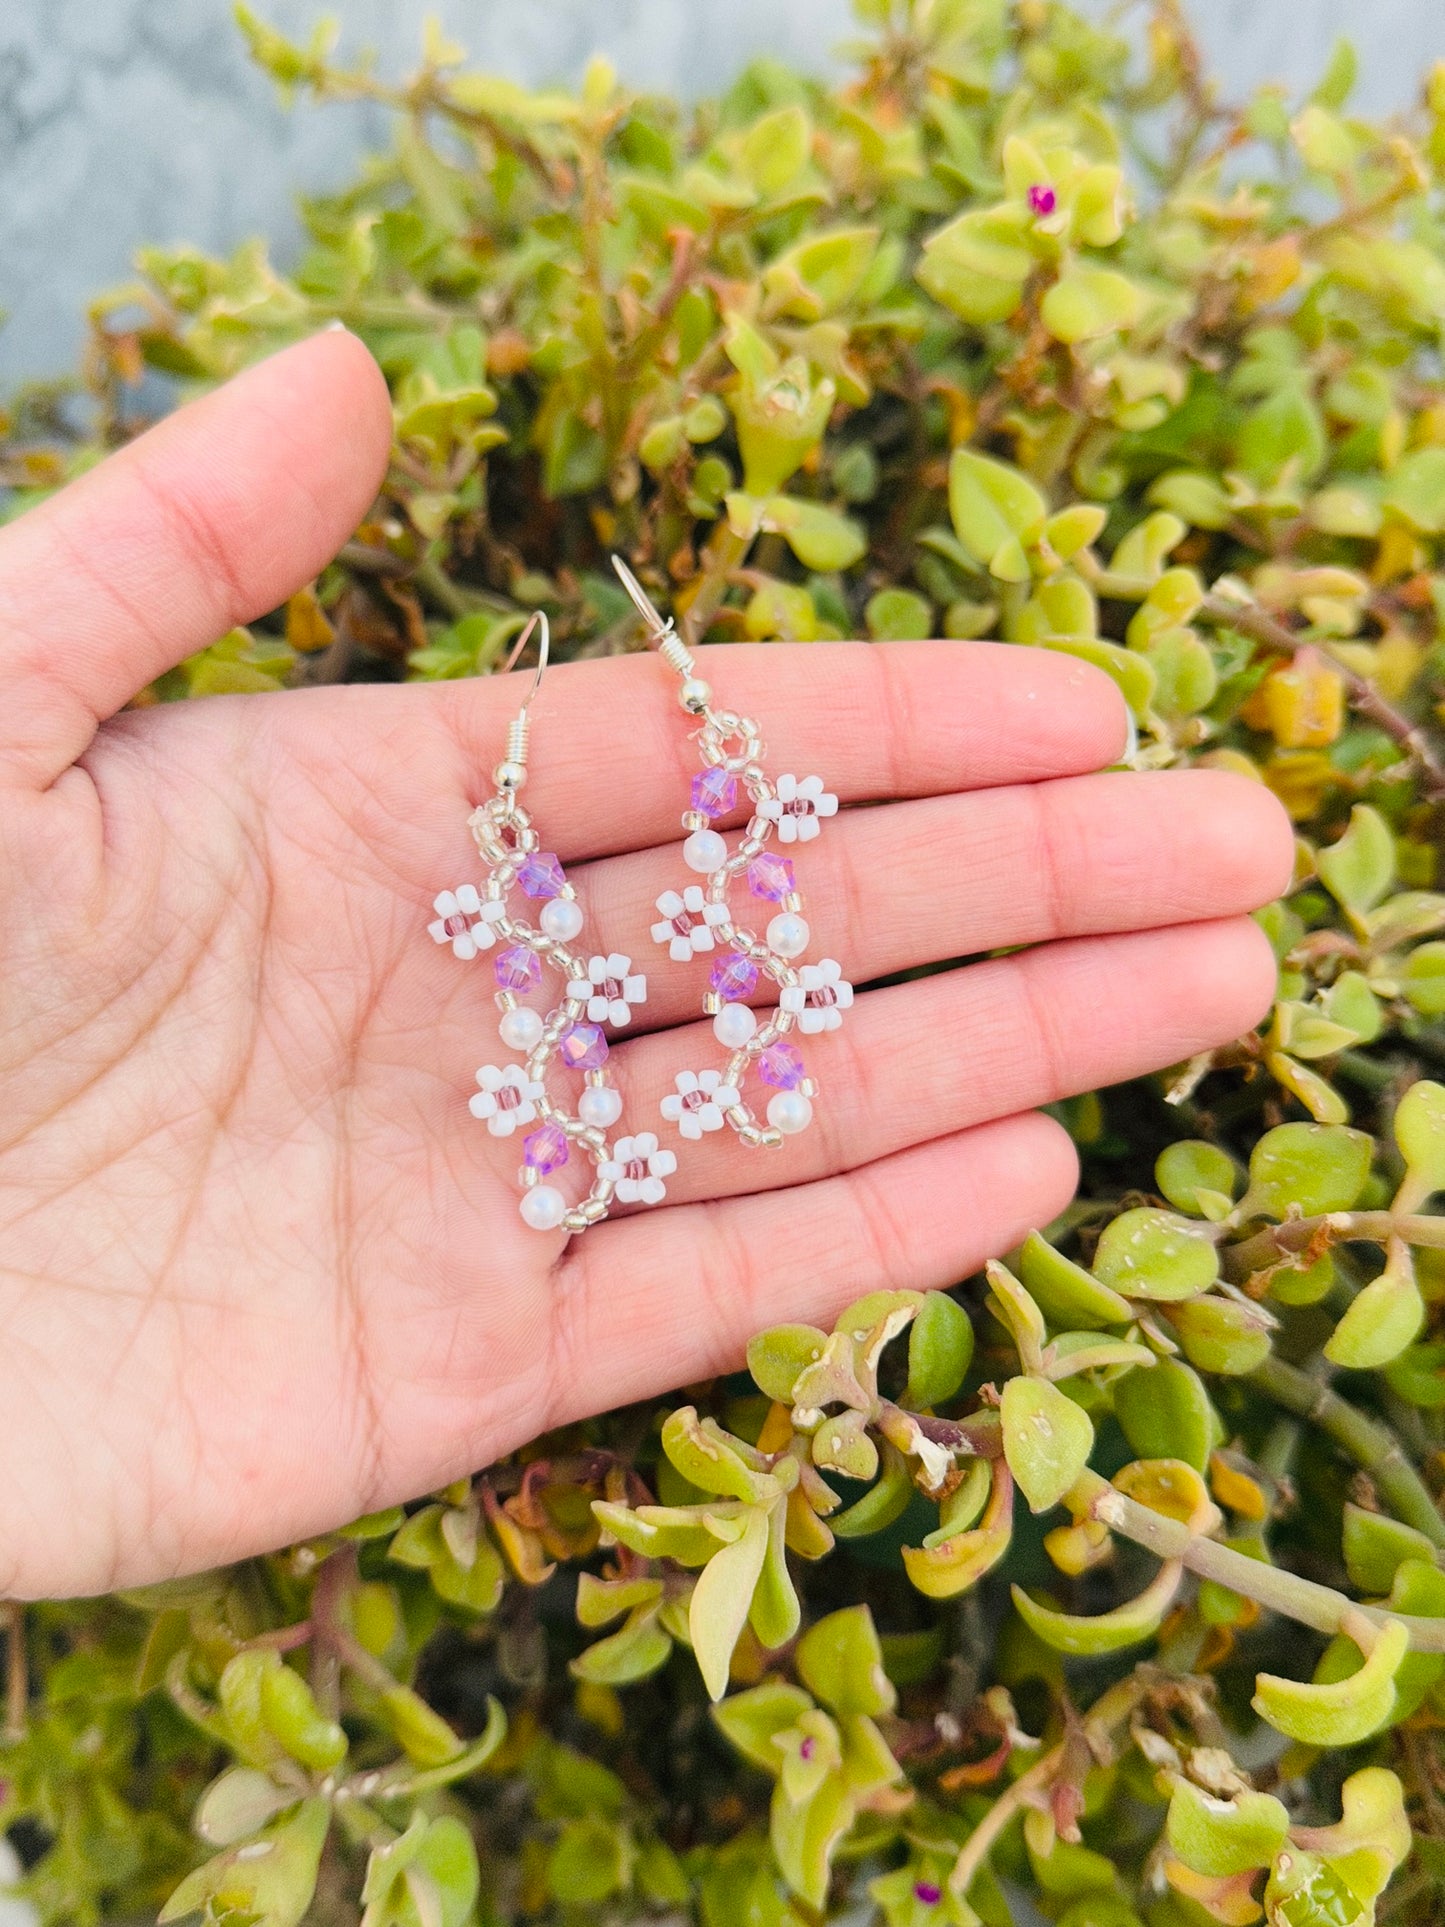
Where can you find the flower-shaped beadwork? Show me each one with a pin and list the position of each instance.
(610, 989)
(698, 1103)
(819, 998)
(637, 1168)
(464, 919)
(797, 807)
(687, 922)
(506, 1100)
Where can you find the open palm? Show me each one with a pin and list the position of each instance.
(259, 1269)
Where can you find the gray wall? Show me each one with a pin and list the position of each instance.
(123, 121)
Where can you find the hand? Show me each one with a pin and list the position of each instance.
(260, 1271)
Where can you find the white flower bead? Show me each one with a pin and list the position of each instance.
(610, 989)
(819, 1000)
(687, 922)
(543, 1207)
(705, 850)
(788, 934)
(464, 920)
(734, 1025)
(798, 807)
(521, 1029)
(507, 1098)
(560, 919)
(699, 1102)
(790, 1111)
(637, 1168)
(599, 1107)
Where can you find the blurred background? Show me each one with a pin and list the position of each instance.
(129, 121)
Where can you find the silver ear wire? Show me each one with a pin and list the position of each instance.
(511, 772)
(695, 695)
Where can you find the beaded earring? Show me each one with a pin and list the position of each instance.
(698, 919)
(595, 990)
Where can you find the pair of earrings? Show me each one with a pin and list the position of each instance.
(599, 990)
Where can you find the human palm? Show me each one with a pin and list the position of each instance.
(260, 1271)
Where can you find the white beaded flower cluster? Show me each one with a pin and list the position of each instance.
(700, 918)
(595, 990)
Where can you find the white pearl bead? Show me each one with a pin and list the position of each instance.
(705, 851)
(561, 919)
(599, 1106)
(544, 1207)
(734, 1025)
(788, 934)
(521, 1029)
(695, 695)
(790, 1111)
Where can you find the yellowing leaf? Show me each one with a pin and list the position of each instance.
(1342, 1713)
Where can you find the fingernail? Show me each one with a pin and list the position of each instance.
(336, 326)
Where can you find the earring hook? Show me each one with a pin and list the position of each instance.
(511, 772)
(694, 695)
(537, 616)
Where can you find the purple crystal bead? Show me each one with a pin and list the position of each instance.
(517, 968)
(714, 792)
(928, 1891)
(540, 875)
(545, 1150)
(771, 876)
(582, 1048)
(734, 978)
(781, 1066)
(1042, 198)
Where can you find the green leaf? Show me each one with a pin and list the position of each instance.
(1375, 1545)
(722, 1599)
(840, 1661)
(898, 615)
(269, 1877)
(1422, 979)
(977, 265)
(711, 1459)
(1420, 1133)
(1359, 868)
(805, 1838)
(1047, 1439)
(1382, 1319)
(1165, 1413)
(1319, 1167)
(753, 1720)
(994, 507)
(820, 537)
(1341, 1713)
(1147, 1253)
(1195, 1176)
(429, 1874)
(940, 1349)
(1127, 1625)
(1223, 1335)
(1087, 302)
(775, 148)
(1068, 1296)
(1219, 1837)
(777, 1358)
(588, 1864)
(238, 1803)
(820, 274)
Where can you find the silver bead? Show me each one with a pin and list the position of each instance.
(695, 695)
(509, 776)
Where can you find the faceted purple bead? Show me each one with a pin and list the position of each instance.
(582, 1048)
(771, 876)
(734, 978)
(540, 875)
(714, 792)
(545, 1150)
(781, 1066)
(517, 968)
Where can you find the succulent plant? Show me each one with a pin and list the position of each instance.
(1019, 333)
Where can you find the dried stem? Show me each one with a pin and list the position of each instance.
(1252, 621)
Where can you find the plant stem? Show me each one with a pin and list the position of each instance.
(1371, 1445)
(1109, 1711)
(17, 1676)
(1252, 621)
(1278, 1591)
